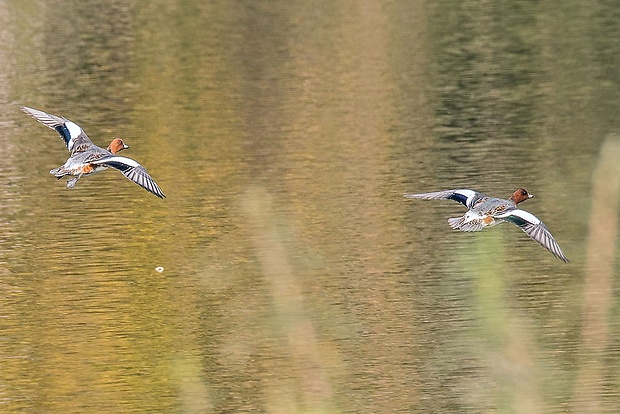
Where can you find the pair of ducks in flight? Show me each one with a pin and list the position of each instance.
(483, 211)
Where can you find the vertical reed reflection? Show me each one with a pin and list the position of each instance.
(305, 385)
(597, 297)
(506, 342)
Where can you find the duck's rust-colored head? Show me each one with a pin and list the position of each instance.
(520, 195)
(117, 145)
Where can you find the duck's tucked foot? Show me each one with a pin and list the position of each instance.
(71, 182)
(466, 224)
(475, 225)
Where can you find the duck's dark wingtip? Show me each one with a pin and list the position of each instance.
(156, 192)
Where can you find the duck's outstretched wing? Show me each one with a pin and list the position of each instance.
(466, 197)
(72, 134)
(536, 229)
(134, 171)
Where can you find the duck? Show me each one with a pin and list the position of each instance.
(484, 211)
(87, 158)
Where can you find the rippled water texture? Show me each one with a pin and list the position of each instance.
(296, 277)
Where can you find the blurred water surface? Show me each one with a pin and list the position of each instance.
(297, 278)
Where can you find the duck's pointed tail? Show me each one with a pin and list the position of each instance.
(455, 223)
(58, 172)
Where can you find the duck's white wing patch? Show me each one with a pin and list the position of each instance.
(127, 162)
(134, 171)
(463, 196)
(537, 230)
(519, 215)
(69, 131)
(74, 132)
